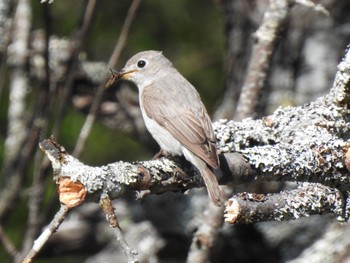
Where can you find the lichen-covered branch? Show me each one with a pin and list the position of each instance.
(306, 200)
(295, 144)
(305, 144)
(155, 176)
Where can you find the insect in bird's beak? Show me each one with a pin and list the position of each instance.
(115, 75)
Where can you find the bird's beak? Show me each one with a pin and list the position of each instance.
(124, 74)
(115, 75)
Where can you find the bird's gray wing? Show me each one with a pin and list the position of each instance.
(185, 118)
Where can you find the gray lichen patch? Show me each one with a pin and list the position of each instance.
(294, 143)
(91, 177)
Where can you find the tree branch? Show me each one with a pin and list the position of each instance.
(306, 200)
(111, 217)
(47, 233)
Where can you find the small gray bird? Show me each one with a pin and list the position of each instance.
(174, 114)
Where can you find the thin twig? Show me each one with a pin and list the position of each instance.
(47, 233)
(90, 119)
(129, 252)
(124, 33)
(111, 217)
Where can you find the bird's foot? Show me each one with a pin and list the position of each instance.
(160, 154)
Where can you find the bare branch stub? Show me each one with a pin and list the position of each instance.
(109, 210)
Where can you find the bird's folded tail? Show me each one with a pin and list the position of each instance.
(212, 185)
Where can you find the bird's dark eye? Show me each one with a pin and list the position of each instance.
(141, 63)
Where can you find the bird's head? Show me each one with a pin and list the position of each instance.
(144, 67)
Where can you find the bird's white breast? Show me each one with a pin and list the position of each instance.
(164, 138)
